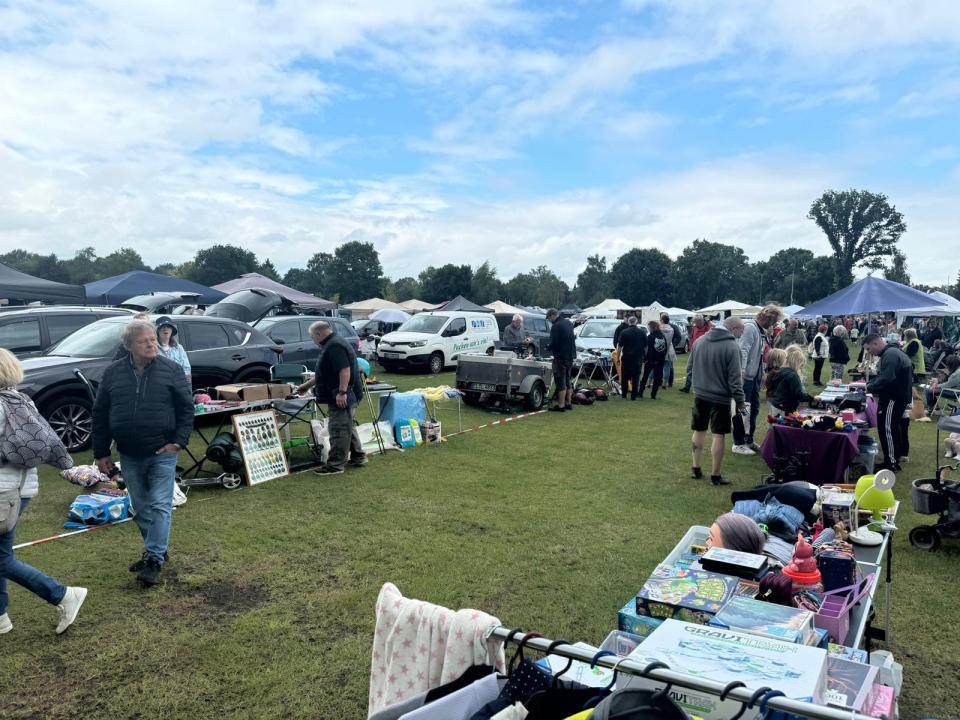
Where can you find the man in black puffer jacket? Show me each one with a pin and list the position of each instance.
(145, 405)
(893, 388)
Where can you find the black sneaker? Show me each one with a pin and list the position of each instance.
(696, 473)
(150, 572)
(358, 461)
(684, 390)
(555, 408)
(139, 564)
(328, 470)
(719, 480)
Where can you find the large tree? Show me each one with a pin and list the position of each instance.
(861, 226)
(354, 273)
(521, 289)
(897, 271)
(406, 288)
(220, 263)
(48, 267)
(791, 275)
(707, 273)
(267, 269)
(551, 290)
(82, 268)
(119, 262)
(640, 276)
(593, 283)
(445, 282)
(485, 286)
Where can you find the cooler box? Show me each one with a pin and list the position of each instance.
(402, 406)
(865, 460)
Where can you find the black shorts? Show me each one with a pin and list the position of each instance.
(561, 374)
(710, 414)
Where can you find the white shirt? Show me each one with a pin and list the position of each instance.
(461, 704)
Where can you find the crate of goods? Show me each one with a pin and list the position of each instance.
(722, 656)
(674, 591)
(630, 622)
(834, 613)
(247, 392)
(926, 499)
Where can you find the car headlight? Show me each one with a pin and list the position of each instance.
(421, 343)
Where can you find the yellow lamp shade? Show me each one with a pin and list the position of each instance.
(871, 498)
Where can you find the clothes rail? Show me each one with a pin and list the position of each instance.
(632, 667)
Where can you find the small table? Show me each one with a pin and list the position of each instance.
(223, 414)
(830, 452)
(878, 555)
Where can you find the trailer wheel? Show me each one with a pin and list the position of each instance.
(534, 399)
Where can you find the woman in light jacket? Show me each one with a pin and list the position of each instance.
(25, 480)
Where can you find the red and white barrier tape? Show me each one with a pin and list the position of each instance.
(502, 421)
(68, 534)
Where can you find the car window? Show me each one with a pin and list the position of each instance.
(603, 329)
(236, 335)
(99, 339)
(207, 336)
(424, 323)
(540, 325)
(342, 327)
(59, 326)
(21, 336)
(457, 326)
(288, 331)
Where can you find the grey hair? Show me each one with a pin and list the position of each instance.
(910, 334)
(839, 331)
(732, 322)
(518, 316)
(135, 329)
(317, 326)
(632, 320)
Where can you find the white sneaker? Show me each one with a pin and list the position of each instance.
(947, 454)
(743, 450)
(70, 606)
(5, 624)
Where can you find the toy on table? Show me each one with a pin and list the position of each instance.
(803, 568)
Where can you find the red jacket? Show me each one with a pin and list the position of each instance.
(699, 332)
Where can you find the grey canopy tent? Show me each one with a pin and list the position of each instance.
(16, 286)
(464, 305)
(250, 281)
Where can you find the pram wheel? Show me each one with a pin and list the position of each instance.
(230, 480)
(925, 537)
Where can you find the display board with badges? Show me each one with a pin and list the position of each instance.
(260, 445)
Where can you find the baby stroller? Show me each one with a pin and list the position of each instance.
(937, 497)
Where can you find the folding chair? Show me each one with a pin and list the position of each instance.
(944, 397)
(288, 372)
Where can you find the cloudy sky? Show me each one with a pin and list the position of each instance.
(442, 131)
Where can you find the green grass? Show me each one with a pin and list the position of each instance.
(550, 523)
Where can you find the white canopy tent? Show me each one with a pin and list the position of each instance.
(415, 306)
(791, 310)
(498, 306)
(363, 308)
(678, 312)
(951, 309)
(607, 308)
(729, 307)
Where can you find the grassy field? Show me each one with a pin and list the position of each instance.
(550, 523)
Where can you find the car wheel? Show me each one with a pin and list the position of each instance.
(388, 366)
(534, 399)
(72, 420)
(255, 375)
(471, 398)
(436, 363)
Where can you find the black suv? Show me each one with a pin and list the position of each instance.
(29, 331)
(537, 328)
(220, 351)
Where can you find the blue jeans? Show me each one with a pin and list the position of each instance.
(150, 481)
(751, 393)
(668, 372)
(22, 574)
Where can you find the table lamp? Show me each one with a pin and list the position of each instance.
(875, 493)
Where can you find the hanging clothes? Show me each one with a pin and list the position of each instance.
(461, 704)
(395, 712)
(515, 712)
(418, 646)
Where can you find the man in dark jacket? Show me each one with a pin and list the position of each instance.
(145, 405)
(337, 383)
(893, 387)
(657, 345)
(564, 348)
(633, 345)
(717, 379)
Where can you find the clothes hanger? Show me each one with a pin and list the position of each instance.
(550, 648)
(506, 642)
(730, 686)
(604, 691)
(765, 699)
(750, 703)
(519, 653)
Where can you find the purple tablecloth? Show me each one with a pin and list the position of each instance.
(830, 452)
(871, 411)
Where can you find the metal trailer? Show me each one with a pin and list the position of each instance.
(503, 376)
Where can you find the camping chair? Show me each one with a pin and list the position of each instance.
(944, 397)
(288, 372)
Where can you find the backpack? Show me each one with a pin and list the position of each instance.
(28, 441)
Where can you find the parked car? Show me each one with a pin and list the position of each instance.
(681, 340)
(220, 351)
(367, 327)
(433, 340)
(537, 328)
(163, 303)
(292, 332)
(28, 332)
(596, 334)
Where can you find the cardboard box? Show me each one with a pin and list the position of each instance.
(247, 392)
(799, 671)
(767, 620)
(279, 391)
(839, 507)
(673, 591)
(629, 621)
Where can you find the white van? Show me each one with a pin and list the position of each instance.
(433, 340)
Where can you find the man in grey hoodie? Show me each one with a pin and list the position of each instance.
(753, 344)
(717, 379)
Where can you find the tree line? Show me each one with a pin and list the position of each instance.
(862, 227)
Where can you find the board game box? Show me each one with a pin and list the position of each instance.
(766, 619)
(733, 562)
(848, 683)
(799, 671)
(673, 591)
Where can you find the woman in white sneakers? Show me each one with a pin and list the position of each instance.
(18, 485)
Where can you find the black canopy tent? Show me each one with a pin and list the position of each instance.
(18, 287)
(464, 305)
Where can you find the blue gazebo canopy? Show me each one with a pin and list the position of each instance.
(872, 294)
(114, 290)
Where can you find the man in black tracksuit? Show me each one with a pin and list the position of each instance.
(656, 356)
(633, 344)
(893, 388)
